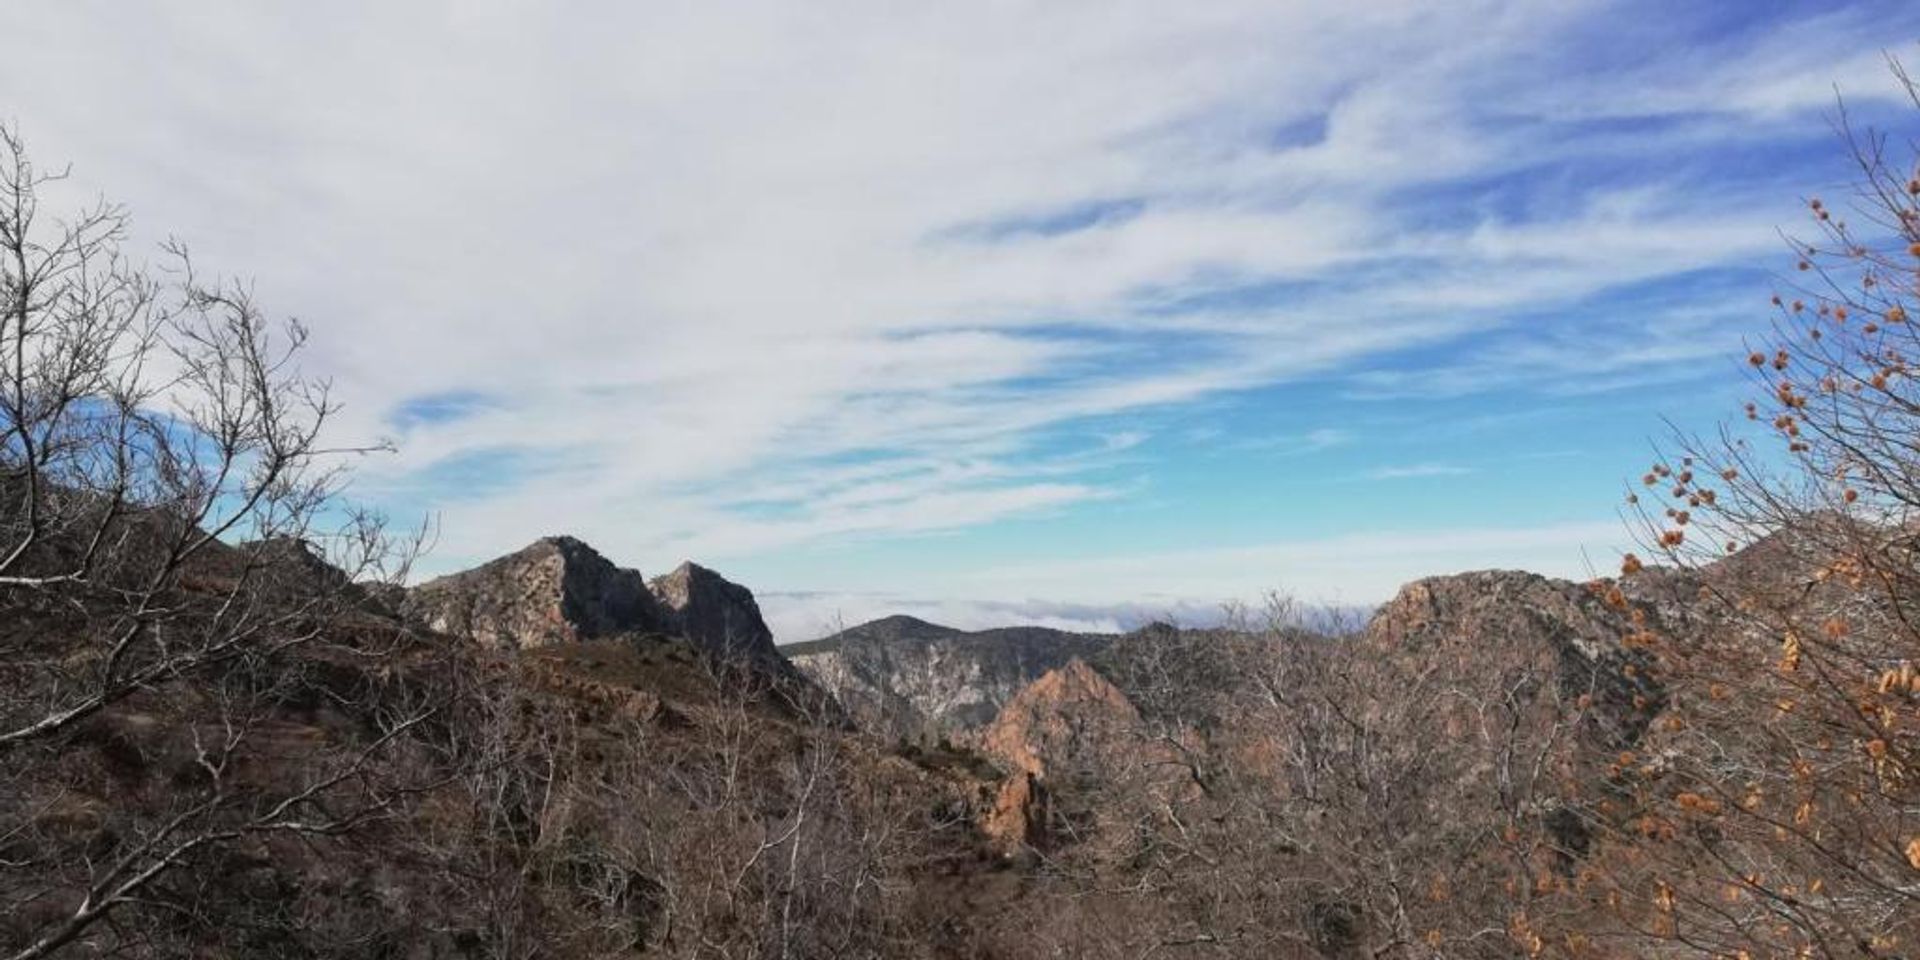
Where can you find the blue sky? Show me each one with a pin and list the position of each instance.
(1062, 312)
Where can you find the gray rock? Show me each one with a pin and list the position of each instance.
(555, 590)
(717, 614)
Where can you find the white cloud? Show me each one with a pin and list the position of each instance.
(1201, 587)
(704, 260)
(1353, 569)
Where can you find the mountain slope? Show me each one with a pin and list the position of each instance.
(909, 677)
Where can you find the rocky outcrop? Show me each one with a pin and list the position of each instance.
(714, 612)
(1018, 816)
(555, 590)
(1069, 722)
(1564, 645)
(1066, 712)
(908, 677)
(559, 592)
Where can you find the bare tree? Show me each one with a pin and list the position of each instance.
(1779, 813)
(171, 536)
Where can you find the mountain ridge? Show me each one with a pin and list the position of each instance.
(914, 678)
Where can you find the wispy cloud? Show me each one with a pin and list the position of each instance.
(1311, 441)
(730, 279)
(1417, 470)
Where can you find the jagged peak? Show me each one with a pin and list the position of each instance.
(713, 611)
(1430, 599)
(570, 549)
(690, 568)
(1077, 680)
(555, 589)
(676, 585)
(567, 543)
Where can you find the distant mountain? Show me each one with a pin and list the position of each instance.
(897, 627)
(906, 676)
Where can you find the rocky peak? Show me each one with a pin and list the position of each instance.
(1459, 606)
(555, 590)
(714, 612)
(1488, 625)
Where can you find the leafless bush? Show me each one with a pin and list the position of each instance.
(726, 828)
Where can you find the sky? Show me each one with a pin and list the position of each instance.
(1072, 313)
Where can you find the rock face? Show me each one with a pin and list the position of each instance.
(1018, 816)
(714, 612)
(560, 590)
(556, 590)
(1523, 631)
(909, 677)
(1069, 720)
(1501, 606)
(1067, 711)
